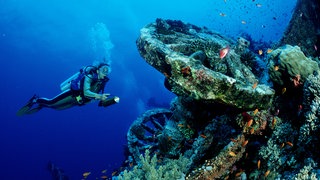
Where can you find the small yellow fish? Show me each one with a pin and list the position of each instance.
(276, 68)
(86, 174)
(114, 173)
(260, 52)
(104, 177)
(103, 171)
(283, 90)
(232, 154)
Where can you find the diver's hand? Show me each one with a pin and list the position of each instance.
(102, 97)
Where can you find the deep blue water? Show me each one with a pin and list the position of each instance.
(44, 42)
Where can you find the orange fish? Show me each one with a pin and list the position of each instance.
(203, 136)
(289, 143)
(255, 111)
(282, 145)
(245, 143)
(181, 125)
(166, 75)
(269, 51)
(251, 131)
(254, 85)
(274, 121)
(267, 173)
(238, 174)
(260, 52)
(258, 164)
(249, 123)
(233, 140)
(276, 68)
(224, 51)
(104, 177)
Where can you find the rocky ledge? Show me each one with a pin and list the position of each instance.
(188, 56)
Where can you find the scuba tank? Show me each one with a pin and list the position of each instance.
(73, 82)
(65, 85)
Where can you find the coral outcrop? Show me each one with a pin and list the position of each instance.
(189, 58)
(289, 67)
(223, 124)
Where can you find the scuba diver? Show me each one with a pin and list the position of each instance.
(80, 89)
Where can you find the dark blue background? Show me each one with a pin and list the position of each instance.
(44, 42)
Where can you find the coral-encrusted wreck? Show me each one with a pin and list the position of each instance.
(189, 58)
(196, 128)
(224, 123)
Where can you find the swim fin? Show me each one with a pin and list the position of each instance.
(26, 108)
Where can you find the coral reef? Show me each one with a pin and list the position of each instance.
(150, 168)
(223, 124)
(292, 66)
(311, 104)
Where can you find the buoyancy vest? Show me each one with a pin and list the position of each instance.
(78, 83)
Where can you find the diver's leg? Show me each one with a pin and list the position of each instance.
(66, 103)
(62, 101)
(24, 110)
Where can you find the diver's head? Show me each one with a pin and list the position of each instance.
(103, 70)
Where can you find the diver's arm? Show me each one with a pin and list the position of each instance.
(88, 93)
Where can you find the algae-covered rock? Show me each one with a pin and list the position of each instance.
(288, 62)
(188, 56)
